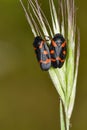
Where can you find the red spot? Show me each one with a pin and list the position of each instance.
(45, 52)
(58, 58)
(41, 44)
(63, 44)
(54, 43)
(64, 52)
(52, 52)
(46, 61)
(35, 48)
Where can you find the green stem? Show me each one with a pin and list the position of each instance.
(67, 123)
(67, 120)
(62, 123)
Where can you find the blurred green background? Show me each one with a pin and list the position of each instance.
(28, 100)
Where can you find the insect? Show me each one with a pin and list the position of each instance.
(58, 51)
(42, 53)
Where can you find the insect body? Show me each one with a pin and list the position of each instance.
(58, 51)
(42, 53)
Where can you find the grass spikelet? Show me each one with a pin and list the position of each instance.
(64, 79)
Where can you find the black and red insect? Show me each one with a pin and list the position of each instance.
(58, 51)
(42, 53)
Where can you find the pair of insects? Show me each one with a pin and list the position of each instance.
(53, 55)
